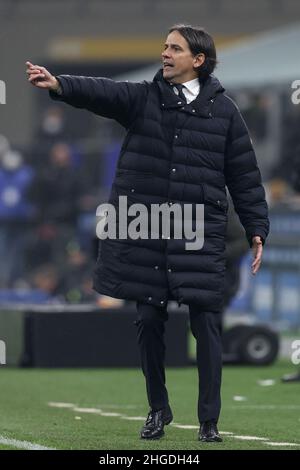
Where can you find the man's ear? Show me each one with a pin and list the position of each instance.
(199, 59)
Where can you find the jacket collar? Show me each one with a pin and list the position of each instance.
(209, 89)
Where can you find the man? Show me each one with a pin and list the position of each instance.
(185, 142)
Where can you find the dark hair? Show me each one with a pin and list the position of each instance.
(199, 41)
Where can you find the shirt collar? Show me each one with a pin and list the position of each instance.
(193, 86)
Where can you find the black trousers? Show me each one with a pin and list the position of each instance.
(206, 327)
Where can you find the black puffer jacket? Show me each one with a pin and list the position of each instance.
(173, 154)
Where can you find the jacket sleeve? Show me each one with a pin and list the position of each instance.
(243, 180)
(102, 96)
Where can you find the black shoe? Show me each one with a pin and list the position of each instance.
(291, 378)
(154, 425)
(208, 432)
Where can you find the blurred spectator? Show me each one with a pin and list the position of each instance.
(255, 108)
(282, 196)
(16, 213)
(47, 280)
(51, 131)
(52, 124)
(289, 166)
(77, 271)
(56, 191)
(278, 191)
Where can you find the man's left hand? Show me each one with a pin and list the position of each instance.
(257, 248)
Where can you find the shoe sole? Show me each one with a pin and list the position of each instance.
(153, 438)
(211, 439)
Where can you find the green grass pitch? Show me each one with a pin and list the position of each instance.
(269, 412)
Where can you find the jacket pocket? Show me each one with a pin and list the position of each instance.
(220, 203)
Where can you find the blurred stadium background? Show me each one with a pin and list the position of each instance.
(56, 167)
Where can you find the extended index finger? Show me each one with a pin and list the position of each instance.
(32, 66)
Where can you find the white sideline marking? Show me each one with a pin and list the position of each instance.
(98, 411)
(73, 407)
(119, 406)
(59, 404)
(134, 418)
(239, 398)
(282, 444)
(184, 426)
(250, 438)
(23, 444)
(86, 410)
(262, 407)
(266, 383)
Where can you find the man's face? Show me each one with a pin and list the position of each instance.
(179, 64)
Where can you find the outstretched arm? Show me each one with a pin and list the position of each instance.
(116, 100)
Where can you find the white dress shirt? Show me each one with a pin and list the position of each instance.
(191, 89)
